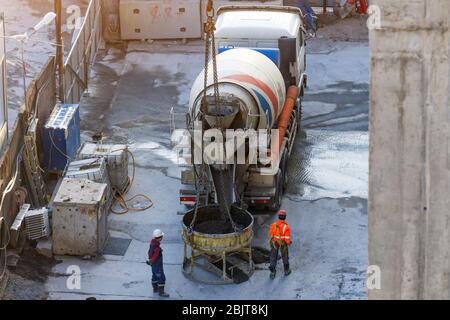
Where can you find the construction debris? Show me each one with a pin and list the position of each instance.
(44, 247)
(17, 225)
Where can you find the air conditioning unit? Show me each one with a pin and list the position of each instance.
(37, 224)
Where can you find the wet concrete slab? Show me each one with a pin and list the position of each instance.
(132, 91)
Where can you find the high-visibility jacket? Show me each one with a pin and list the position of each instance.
(280, 232)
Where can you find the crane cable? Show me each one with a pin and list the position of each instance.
(210, 39)
(210, 42)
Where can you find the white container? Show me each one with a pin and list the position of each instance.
(251, 77)
(94, 169)
(116, 157)
(163, 19)
(80, 219)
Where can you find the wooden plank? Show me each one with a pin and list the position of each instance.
(17, 225)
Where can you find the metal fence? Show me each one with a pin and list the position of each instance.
(82, 54)
(41, 98)
(3, 90)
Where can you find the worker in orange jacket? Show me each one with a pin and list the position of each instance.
(280, 238)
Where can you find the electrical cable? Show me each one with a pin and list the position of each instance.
(56, 147)
(119, 196)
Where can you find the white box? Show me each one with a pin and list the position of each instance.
(94, 169)
(116, 157)
(163, 19)
(80, 219)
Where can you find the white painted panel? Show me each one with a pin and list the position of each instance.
(163, 19)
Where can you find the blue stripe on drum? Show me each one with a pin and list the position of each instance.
(265, 105)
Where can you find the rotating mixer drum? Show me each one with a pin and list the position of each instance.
(250, 78)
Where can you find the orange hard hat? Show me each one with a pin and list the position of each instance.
(282, 213)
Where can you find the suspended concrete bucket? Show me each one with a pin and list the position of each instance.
(219, 255)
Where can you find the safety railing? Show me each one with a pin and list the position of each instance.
(82, 54)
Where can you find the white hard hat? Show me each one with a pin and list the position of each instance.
(157, 233)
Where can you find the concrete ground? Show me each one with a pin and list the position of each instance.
(133, 90)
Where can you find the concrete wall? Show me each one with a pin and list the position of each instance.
(409, 185)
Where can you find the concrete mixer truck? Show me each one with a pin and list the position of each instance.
(260, 81)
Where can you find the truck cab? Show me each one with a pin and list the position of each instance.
(277, 32)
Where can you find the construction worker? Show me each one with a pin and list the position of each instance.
(155, 259)
(280, 238)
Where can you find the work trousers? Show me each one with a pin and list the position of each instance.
(158, 276)
(275, 248)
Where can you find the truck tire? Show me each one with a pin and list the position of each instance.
(283, 167)
(276, 205)
(299, 113)
(285, 180)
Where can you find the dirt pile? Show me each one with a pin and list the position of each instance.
(353, 28)
(31, 273)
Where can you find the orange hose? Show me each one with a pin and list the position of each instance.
(285, 116)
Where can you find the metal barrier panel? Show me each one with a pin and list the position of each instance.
(41, 95)
(3, 243)
(3, 89)
(160, 19)
(82, 54)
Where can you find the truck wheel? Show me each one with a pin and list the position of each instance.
(276, 205)
(285, 181)
(284, 165)
(299, 113)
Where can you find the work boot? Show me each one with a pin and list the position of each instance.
(287, 272)
(272, 274)
(155, 288)
(162, 293)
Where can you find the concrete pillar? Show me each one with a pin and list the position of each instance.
(409, 184)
